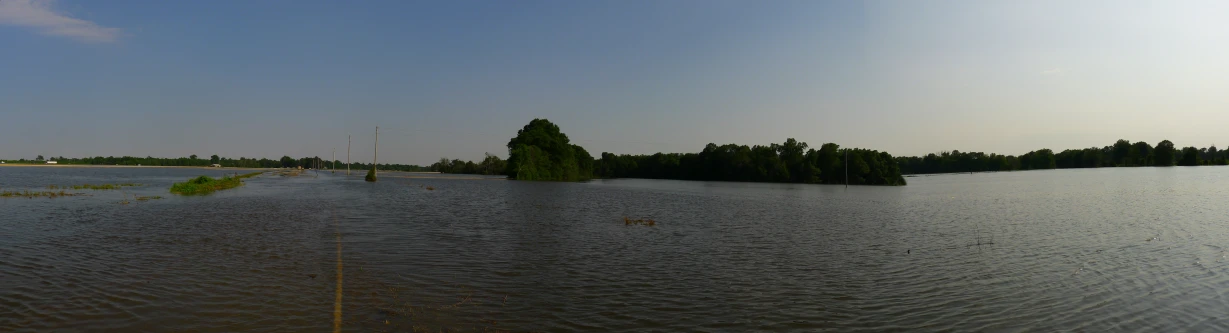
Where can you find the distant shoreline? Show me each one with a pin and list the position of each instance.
(179, 167)
(120, 166)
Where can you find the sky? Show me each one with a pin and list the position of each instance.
(457, 79)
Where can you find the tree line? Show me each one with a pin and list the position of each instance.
(1122, 153)
(491, 165)
(541, 152)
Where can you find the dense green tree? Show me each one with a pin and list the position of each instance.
(214, 159)
(1141, 153)
(1121, 151)
(541, 152)
(39, 158)
(1164, 154)
(1190, 157)
(288, 162)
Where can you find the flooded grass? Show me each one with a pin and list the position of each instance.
(644, 222)
(94, 186)
(147, 198)
(205, 185)
(37, 194)
(248, 175)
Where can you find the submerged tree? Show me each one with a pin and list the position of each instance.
(541, 152)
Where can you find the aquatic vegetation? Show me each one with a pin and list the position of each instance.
(248, 175)
(429, 188)
(94, 186)
(39, 194)
(205, 185)
(147, 198)
(644, 222)
(371, 175)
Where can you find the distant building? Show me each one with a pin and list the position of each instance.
(52, 162)
(215, 165)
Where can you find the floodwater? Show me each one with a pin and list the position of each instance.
(1130, 249)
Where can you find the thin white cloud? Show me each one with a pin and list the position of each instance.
(38, 15)
(1053, 72)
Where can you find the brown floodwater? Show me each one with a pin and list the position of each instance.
(1138, 249)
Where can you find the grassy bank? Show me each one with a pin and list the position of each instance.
(206, 184)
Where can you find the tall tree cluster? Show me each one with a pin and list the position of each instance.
(789, 162)
(541, 152)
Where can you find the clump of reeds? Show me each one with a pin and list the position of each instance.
(147, 198)
(645, 222)
(371, 175)
(205, 185)
(36, 194)
(429, 188)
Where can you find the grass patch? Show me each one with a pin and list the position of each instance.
(205, 185)
(645, 222)
(36, 194)
(145, 198)
(94, 186)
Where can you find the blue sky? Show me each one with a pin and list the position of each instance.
(458, 78)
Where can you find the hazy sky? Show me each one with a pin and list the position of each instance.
(458, 78)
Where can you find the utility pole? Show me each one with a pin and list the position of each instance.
(376, 152)
(347, 154)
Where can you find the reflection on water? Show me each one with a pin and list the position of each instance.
(1138, 249)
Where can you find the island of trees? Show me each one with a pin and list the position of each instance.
(540, 151)
(1122, 153)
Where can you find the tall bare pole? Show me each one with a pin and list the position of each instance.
(347, 154)
(376, 152)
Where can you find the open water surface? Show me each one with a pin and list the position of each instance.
(1127, 249)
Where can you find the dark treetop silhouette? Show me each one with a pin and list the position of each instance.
(1121, 154)
(540, 151)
